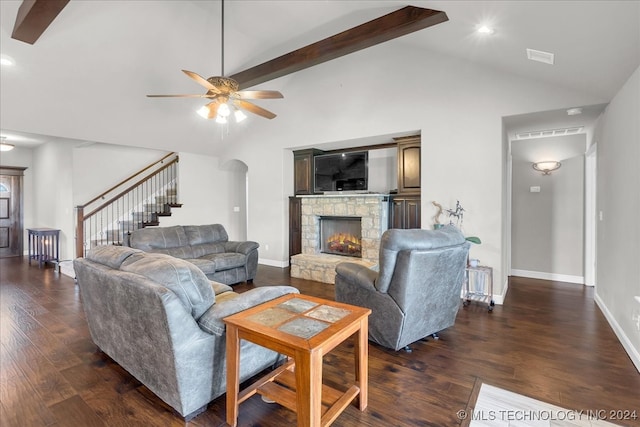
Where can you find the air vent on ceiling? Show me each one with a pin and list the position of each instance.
(549, 133)
(540, 56)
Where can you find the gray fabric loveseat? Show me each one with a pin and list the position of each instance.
(206, 246)
(161, 319)
(417, 291)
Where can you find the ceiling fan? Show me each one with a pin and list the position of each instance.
(221, 89)
(225, 95)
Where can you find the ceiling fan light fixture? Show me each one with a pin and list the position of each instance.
(221, 119)
(239, 116)
(203, 112)
(224, 110)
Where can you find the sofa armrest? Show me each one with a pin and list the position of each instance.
(212, 321)
(358, 275)
(241, 247)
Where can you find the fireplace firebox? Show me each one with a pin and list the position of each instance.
(341, 235)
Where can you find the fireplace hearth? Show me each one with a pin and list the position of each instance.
(341, 235)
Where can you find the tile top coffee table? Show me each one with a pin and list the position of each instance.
(304, 328)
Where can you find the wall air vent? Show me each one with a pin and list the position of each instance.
(548, 133)
(540, 56)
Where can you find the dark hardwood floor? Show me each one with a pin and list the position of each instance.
(549, 342)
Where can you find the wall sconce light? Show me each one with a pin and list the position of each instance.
(546, 167)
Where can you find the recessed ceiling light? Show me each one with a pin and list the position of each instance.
(540, 56)
(574, 111)
(6, 60)
(485, 30)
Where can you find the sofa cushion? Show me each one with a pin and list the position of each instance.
(110, 255)
(166, 240)
(186, 280)
(206, 265)
(226, 261)
(219, 288)
(209, 233)
(213, 320)
(207, 248)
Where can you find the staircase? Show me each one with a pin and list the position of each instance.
(137, 202)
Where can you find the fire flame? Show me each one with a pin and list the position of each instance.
(344, 243)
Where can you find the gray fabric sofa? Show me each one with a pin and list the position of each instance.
(161, 319)
(206, 246)
(416, 292)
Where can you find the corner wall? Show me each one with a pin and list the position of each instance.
(618, 199)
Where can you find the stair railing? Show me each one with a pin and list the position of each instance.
(135, 202)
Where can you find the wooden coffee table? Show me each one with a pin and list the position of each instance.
(304, 328)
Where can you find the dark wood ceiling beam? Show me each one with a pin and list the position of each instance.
(395, 24)
(34, 16)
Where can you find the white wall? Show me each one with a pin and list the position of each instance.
(457, 106)
(204, 189)
(237, 199)
(383, 170)
(618, 239)
(547, 227)
(52, 189)
(97, 167)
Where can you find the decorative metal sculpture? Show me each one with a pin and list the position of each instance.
(457, 213)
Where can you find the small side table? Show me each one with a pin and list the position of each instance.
(304, 328)
(44, 245)
(478, 285)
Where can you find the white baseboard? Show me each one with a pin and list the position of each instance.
(548, 276)
(633, 352)
(273, 263)
(499, 299)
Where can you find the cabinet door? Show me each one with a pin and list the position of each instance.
(412, 213)
(295, 227)
(396, 213)
(303, 173)
(404, 212)
(409, 167)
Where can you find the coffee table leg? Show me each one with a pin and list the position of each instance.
(361, 353)
(309, 388)
(233, 374)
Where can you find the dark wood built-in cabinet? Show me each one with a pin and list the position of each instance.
(303, 170)
(404, 211)
(404, 207)
(295, 226)
(409, 165)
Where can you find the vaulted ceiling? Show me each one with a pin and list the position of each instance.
(103, 57)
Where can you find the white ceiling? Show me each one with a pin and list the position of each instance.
(107, 55)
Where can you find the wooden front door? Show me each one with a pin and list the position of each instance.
(11, 225)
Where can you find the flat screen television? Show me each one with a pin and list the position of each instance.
(341, 171)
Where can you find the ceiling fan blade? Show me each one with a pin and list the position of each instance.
(253, 108)
(388, 27)
(183, 96)
(213, 108)
(201, 80)
(259, 94)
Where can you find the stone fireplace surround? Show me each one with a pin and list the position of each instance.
(373, 211)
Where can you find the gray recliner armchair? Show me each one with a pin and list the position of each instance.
(416, 292)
